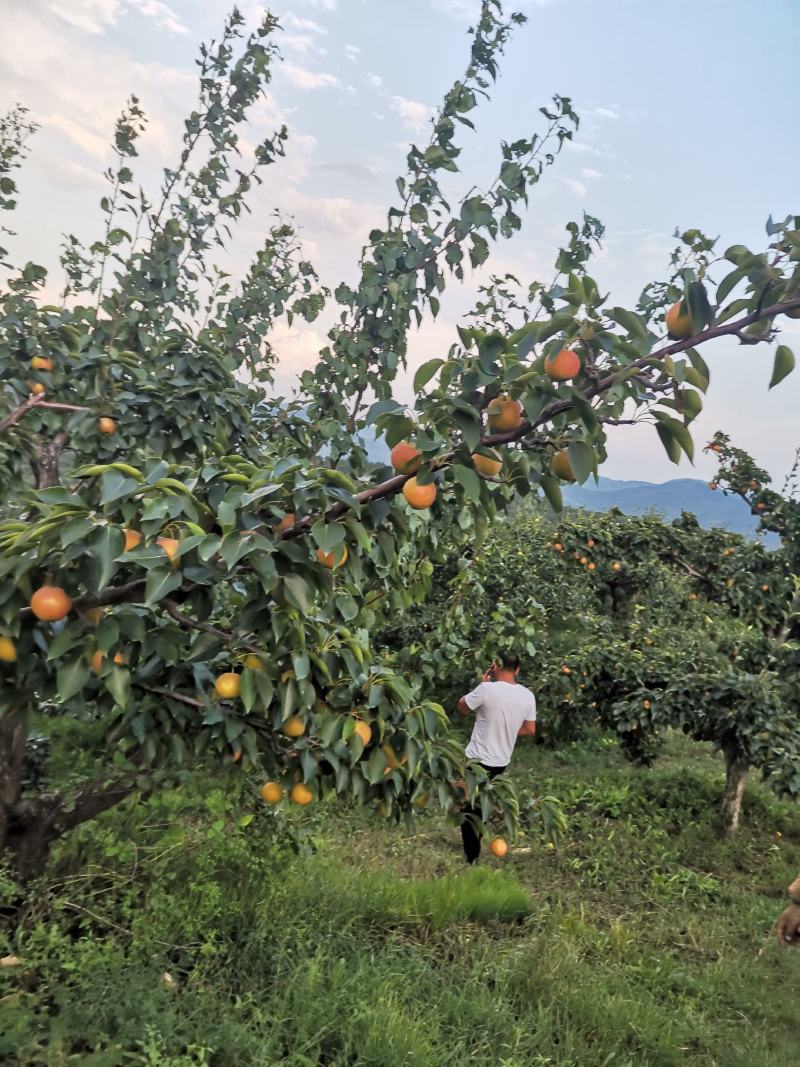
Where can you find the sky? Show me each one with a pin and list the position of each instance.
(688, 118)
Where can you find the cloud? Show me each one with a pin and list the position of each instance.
(305, 38)
(93, 16)
(309, 79)
(465, 10)
(581, 148)
(304, 25)
(375, 80)
(70, 174)
(588, 173)
(322, 5)
(303, 43)
(611, 112)
(93, 142)
(353, 51)
(163, 16)
(576, 186)
(414, 115)
(297, 348)
(351, 168)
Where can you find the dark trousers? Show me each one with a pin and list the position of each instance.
(470, 835)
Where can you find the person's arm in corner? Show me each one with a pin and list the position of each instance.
(463, 707)
(788, 926)
(528, 728)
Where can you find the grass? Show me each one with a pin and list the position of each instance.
(643, 941)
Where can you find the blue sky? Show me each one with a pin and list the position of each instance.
(689, 118)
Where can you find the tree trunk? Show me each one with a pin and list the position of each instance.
(735, 780)
(35, 824)
(29, 826)
(12, 756)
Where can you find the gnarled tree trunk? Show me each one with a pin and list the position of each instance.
(36, 823)
(736, 770)
(30, 825)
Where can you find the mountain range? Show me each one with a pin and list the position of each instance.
(712, 508)
(669, 499)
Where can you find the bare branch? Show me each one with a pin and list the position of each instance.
(13, 417)
(35, 402)
(180, 697)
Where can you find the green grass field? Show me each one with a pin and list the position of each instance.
(170, 934)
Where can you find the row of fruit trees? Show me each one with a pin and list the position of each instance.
(195, 566)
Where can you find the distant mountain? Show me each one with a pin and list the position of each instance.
(668, 499)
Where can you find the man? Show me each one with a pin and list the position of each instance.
(788, 928)
(504, 710)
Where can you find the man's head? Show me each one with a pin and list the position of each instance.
(507, 666)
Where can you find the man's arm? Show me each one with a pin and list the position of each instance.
(528, 728)
(473, 700)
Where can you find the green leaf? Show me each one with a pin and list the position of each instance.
(70, 636)
(679, 433)
(260, 493)
(266, 690)
(630, 322)
(737, 252)
(74, 530)
(729, 283)
(469, 479)
(692, 403)
(114, 486)
(302, 665)
(552, 490)
(104, 548)
(528, 341)
(783, 365)
(248, 690)
(376, 765)
(160, 582)
(562, 320)
(582, 460)
(346, 606)
(585, 413)
(328, 535)
(72, 676)
(298, 592)
(700, 366)
(671, 446)
(699, 307)
(118, 683)
(470, 429)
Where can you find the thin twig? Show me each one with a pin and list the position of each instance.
(180, 697)
(194, 624)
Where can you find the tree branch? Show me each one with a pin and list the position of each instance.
(13, 417)
(394, 485)
(186, 621)
(180, 697)
(35, 402)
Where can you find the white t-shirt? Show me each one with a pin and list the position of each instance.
(501, 709)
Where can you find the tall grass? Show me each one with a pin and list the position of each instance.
(644, 942)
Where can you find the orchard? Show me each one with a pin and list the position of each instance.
(195, 566)
(592, 601)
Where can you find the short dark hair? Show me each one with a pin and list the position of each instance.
(510, 661)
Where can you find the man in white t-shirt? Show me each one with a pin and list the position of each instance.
(504, 710)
